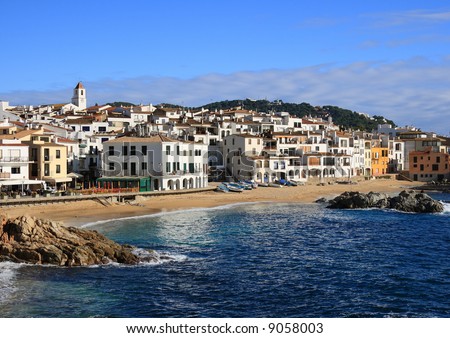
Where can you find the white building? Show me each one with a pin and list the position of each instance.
(170, 164)
(14, 160)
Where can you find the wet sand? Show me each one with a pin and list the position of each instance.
(82, 212)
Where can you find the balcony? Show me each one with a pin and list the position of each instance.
(14, 160)
(5, 175)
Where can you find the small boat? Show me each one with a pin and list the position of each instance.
(222, 188)
(262, 184)
(245, 185)
(253, 184)
(234, 187)
(293, 183)
(275, 185)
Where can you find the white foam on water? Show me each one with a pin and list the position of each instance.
(446, 208)
(153, 257)
(8, 272)
(149, 257)
(165, 213)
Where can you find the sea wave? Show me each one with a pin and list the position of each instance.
(8, 272)
(165, 213)
(153, 257)
(446, 208)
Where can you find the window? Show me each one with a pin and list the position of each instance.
(167, 167)
(86, 128)
(125, 150)
(144, 165)
(111, 166)
(58, 153)
(111, 150)
(46, 169)
(249, 141)
(422, 167)
(133, 168)
(58, 169)
(15, 170)
(133, 150)
(167, 150)
(101, 129)
(125, 166)
(34, 169)
(435, 167)
(415, 159)
(438, 159)
(144, 150)
(46, 154)
(178, 150)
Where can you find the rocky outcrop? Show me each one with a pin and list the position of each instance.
(31, 240)
(408, 201)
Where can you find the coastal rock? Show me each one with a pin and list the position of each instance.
(411, 201)
(408, 201)
(31, 240)
(322, 200)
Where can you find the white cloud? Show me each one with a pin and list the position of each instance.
(414, 91)
(419, 16)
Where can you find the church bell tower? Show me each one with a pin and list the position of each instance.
(79, 96)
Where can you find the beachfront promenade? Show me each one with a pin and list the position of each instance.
(105, 198)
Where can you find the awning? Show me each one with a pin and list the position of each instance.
(74, 175)
(58, 180)
(20, 182)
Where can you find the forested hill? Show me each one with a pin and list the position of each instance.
(342, 117)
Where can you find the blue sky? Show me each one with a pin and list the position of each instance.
(388, 58)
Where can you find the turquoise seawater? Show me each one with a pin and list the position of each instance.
(253, 260)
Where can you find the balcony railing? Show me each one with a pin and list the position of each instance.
(14, 159)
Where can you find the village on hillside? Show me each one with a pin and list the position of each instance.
(76, 147)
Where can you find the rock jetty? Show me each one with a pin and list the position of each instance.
(30, 240)
(408, 201)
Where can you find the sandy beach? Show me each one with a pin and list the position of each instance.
(81, 212)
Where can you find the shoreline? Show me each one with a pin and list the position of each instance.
(79, 213)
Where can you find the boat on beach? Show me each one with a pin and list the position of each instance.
(275, 185)
(234, 187)
(222, 188)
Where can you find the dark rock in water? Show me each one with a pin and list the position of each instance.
(409, 201)
(322, 200)
(30, 240)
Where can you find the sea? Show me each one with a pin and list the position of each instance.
(252, 260)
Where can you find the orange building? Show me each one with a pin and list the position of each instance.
(429, 165)
(380, 160)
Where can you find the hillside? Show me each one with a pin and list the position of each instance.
(342, 117)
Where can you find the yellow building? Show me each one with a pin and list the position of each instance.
(49, 163)
(380, 160)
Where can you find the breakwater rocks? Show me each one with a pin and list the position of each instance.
(408, 201)
(30, 240)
